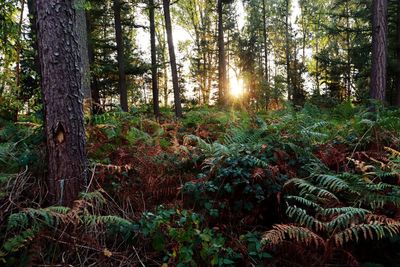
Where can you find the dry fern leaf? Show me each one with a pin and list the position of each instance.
(283, 232)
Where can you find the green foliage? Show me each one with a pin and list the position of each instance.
(322, 219)
(230, 169)
(19, 147)
(28, 223)
(180, 236)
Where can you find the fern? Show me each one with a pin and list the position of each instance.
(282, 232)
(94, 197)
(19, 241)
(301, 217)
(305, 202)
(331, 182)
(91, 220)
(371, 231)
(308, 188)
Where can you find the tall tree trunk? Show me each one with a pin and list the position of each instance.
(348, 44)
(317, 75)
(172, 59)
(162, 58)
(305, 32)
(123, 93)
(19, 46)
(154, 72)
(287, 51)
(397, 101)
(81, 29)
(61, 66)
(222, 92)
(94, 81)
(33, 28)
(265, 35)
(379, 49)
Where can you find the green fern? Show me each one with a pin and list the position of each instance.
(308, 188)
(19, 241)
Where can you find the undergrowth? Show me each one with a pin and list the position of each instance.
(223, 188)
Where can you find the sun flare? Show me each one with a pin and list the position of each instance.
(236, 87)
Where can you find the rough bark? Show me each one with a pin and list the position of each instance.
(123, 93)
(61, 66)
(221, 56)
(154, 71)
(379, 49)
(172, 59)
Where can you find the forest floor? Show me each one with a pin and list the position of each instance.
(313, 187)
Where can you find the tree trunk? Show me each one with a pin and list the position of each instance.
(154, 71)
(61, 66)
(265, 35)
(317, 79)
(397, 101)
(287, 51)
(19, 46)
(94, 82)
(348, 44)
(379, 49)
(123, 93)
(162, 58)
(33, 28)
(81, 29)
(172, 59)
(221, 56)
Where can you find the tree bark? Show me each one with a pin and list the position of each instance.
(33, 22)
(265, 35)
(172, 59)
(61, 66)
(94, 82)
(379, 49)
(19, 46)
(287, 51)
(123, 93)
(154, 71)
(397, 100)
(221, 56)
(348, 56)
(317, 75)
(81, 29)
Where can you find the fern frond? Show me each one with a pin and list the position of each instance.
(305, 202)
(301, 217)
(393, 152)
(282, 232)
(344, 220)
(92, 220)
(95, 196)
(256, 162)
(17, 220)
(19, 241)
(341, 210)
(331, 182)
(372, 231)
(308, 188)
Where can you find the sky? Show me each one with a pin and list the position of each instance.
(181, 35)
